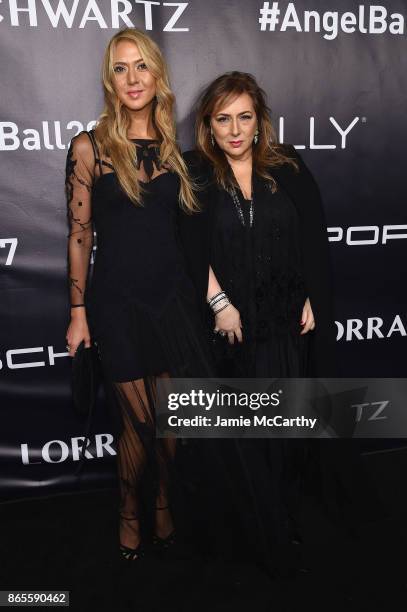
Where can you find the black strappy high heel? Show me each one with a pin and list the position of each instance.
(162, 544)
(127, 553)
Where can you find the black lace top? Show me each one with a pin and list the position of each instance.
(134, 243)
(260, 268)
(140, 302)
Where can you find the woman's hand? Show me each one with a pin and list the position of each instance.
(78, 330)
(307, 319)
(228, 321)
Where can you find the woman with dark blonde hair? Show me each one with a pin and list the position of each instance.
(126, 179)
(258, 254)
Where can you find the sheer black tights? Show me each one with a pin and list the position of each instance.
(138, 451)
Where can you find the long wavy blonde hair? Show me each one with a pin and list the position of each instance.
(266, 153)
(114, 122)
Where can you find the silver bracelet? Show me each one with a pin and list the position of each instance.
(215, 298)
(219, 301)
(219, 306)
(220, 309)
(209, 300)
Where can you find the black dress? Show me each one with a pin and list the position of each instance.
(268, 271)
(256, 481)
(259, 266)
(260, 269)
(141, 305)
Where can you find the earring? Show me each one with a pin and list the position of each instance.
(256, 137)
(212, 138)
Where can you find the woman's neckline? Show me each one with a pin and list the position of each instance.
(143, 139)
(247, 200)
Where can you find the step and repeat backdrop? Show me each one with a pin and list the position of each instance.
(335, 76)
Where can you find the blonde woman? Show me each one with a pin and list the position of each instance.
(126, 179)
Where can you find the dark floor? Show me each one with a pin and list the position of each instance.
(69, 542)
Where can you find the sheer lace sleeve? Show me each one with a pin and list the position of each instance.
(79, 179)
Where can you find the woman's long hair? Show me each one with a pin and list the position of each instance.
(114, 121)
(266, 153)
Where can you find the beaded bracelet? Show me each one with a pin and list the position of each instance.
(214, 298)
(77, 305)
(220, 309)
(218, 302)
(217, 298)
(221, 305)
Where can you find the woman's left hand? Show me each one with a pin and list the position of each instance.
(307, 319)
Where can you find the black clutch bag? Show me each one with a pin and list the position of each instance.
(85, 380)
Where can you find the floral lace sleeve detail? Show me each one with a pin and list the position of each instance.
(79, 177)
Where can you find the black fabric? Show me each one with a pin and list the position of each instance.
(85, 379)
(267, 270)
(238, 503)
(197, 231)
(332, 469)
(144, 323)
(260, 269)
(141, 304)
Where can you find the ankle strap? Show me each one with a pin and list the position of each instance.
(161, 508)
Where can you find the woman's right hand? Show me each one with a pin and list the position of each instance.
(78, 330)
(228, 321)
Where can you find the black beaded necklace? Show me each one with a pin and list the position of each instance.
(238, 207)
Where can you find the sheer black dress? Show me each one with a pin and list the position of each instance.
(140, 304)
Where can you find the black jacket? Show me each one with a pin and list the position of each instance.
(195, 232)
